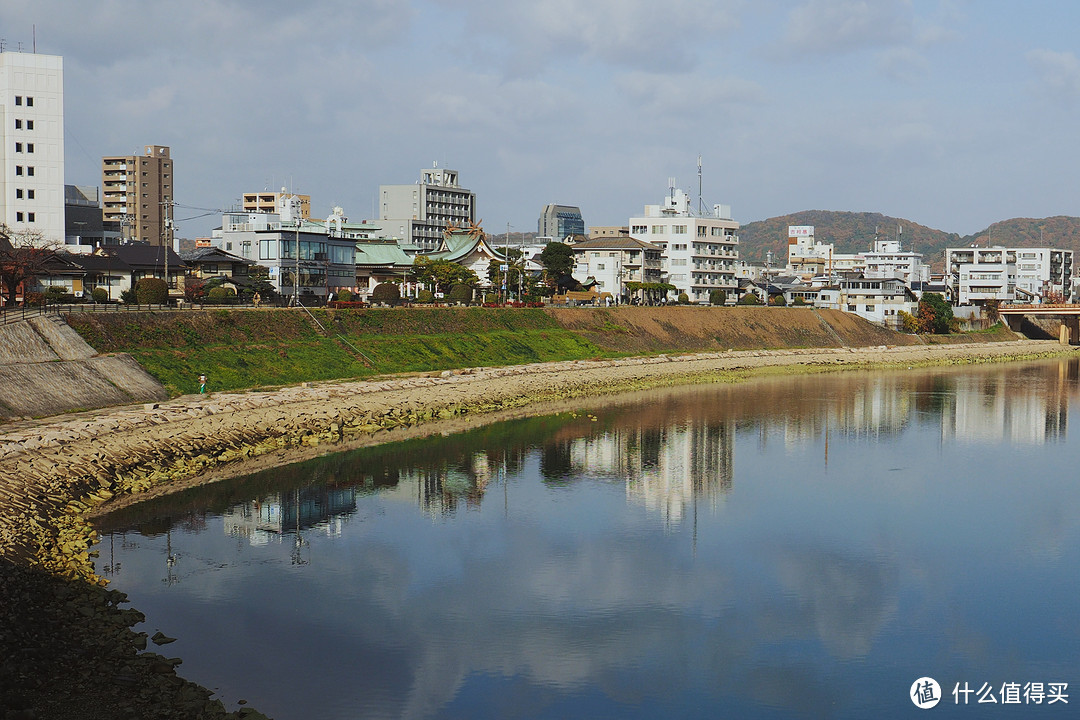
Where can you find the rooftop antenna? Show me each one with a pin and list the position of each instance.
(34, 26)
(671, 187)
(700, 202)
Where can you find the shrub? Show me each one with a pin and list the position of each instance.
(128, 297)
(460, 293)
(777, 301)
(935, 314)
(151, 291)
(749, 299)
(345, 296)
(425, 296)
(684, 299)
(100, 295)
(386, 294)
(491, 299)
(717, 297)
(220, 295)
(55, 293)
(34, 299)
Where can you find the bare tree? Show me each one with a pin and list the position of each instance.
(23, 256)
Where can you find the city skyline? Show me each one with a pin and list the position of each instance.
(953, 114)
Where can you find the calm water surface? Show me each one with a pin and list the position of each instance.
(786, 548)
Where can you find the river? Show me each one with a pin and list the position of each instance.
(785, 547)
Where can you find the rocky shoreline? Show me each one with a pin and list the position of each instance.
(59, 472)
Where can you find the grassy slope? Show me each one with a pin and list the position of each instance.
(246, 348)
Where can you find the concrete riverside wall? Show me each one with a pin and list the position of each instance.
(47, 369)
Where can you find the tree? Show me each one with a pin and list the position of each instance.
(386, 294)
(717, 297)
(258, 281)
(442, 274)
(935, 314)
(749, 299)
(23, 256)
(557, 258)
(194, 289)
(461, 293)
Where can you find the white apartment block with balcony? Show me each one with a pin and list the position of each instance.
(808, 258)
(418, 215)
(32, 145)
(1042, 273)
(700, 252)
(975, 275)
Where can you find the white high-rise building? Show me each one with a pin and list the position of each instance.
(32, 147)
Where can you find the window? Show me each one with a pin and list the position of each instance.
(210, 268)
(18, 217)
(851, 308)
(658, 229)
(29, 147)
(18, 147)
(30, 194)
(18, 124)
(29, 217)
(640, 229)
(29, 124)
(18, 170)
(678, 229)
(30, 170)
(268, 249)
(678, 262)
(18, 99)
(600, 266)
(870, 308)
(29, 101)
(18, 193)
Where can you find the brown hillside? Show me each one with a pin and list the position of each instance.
(645, 330)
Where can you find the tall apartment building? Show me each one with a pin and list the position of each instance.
(138, 193)
(269, 202)
(419, 214)
(32, 144)
(700, 252)
(560, 222)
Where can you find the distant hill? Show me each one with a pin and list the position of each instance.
(855, 231)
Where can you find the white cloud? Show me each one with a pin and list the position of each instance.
(841, 26)
(1058, 74)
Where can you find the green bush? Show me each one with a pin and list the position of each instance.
(749, 299)
(425, 296)
(460, 293)
(220, 295)
(684, 299)
(491, 297)
(100, 295)
(55, 293)
(717, 297)
(800, 301)
(151, 291)
(386, 294)
(777, 301)
(345, 296)
(128, 296)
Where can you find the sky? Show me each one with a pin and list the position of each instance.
(949, 113)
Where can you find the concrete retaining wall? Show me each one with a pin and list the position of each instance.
(47, 369)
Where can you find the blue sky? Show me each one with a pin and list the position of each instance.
(951, 113)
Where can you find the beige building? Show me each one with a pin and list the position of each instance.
(608, 231)
(137, 192)
(269, 202)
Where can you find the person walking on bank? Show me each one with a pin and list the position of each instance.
(202, 383)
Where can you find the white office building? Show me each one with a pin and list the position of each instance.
(32, 147)
(700, 252)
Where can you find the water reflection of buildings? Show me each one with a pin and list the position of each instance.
(667, 468)
(268, 518)
(996, 408)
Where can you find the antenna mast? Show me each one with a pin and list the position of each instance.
(700, 202)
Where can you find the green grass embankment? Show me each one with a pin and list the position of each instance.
(240, 349)
(245, 349)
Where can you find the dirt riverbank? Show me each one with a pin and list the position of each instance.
(56, 474)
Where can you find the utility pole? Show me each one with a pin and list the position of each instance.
(296, 272)
(168, 246)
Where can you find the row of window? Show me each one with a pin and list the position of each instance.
(19, 122)
(29, 217)
(19, 192)
(29, 170)
(19, 147)
(29, 100)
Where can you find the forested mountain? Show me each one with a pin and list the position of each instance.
(855, 232)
